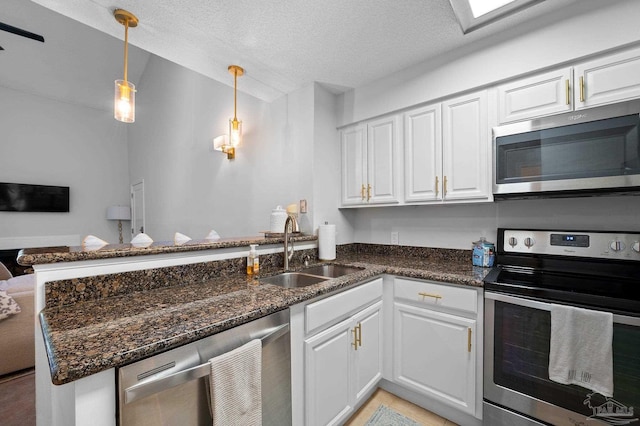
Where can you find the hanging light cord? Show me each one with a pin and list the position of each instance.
(235, 94)
(126, 47)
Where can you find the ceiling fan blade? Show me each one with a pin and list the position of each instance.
(20, 32)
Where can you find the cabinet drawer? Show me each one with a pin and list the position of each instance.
(428, 294)
(335, 308)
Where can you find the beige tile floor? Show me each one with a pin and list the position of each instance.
(402, 406)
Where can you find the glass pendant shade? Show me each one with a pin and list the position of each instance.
(124, 101)
(235, 132)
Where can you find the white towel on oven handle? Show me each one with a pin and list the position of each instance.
(581, 348)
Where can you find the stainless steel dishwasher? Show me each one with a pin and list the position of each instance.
(171, 388)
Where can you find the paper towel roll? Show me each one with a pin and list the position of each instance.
(327, 242)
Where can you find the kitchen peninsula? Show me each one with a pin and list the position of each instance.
(106, 308)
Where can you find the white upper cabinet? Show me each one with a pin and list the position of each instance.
(609, 79)
(354, 166)
(370, 162)
(536, 96)
(605, 80)
(466, 165)
(447, 151)
(382, 156)
(423, 153)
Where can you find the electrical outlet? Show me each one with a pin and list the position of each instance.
(395, 238)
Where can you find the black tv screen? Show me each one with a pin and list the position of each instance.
(19, 197)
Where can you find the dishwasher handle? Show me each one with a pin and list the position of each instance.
(151, 387)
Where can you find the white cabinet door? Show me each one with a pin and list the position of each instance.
(607, 80)
(328, 372)
(368, 356)
(434, 354)
(354, 169)
(382, 153)
(339, 369)
(423, 153)
(536, 96)
(465, 148)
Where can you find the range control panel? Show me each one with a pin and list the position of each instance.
(605, 245)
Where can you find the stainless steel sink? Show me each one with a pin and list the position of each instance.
(309, 276)
(293, 280)
(332, 271)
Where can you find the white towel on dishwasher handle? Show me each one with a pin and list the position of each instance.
(236, 386)
(581, 351)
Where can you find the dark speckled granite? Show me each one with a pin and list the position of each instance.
(101, 333)
(76, 290)
(37, 256)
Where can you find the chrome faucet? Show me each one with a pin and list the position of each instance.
(288, 245)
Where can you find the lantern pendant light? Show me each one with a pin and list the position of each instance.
(124, 102)
(235, 125)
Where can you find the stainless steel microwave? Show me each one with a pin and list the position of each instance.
(592, 151)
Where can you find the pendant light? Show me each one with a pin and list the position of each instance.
(124, 102)
(228, 143)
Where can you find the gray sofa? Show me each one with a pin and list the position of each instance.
(17, 343)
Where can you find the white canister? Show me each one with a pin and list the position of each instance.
(278, 219)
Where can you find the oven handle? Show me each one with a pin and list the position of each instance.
(543, 306)
(142, 390)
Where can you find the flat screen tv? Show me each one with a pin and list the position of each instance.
(19, 197)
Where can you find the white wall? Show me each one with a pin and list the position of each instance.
(190, 188)
(456, 226)
(327, 169)
(50, 142)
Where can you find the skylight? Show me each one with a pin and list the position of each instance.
(473, 14)
(482, 7)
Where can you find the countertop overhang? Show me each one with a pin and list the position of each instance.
(39, 256)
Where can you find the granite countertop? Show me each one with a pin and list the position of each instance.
(37, 256)
(88, 337)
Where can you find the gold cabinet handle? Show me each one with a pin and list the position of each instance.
(581, 88)
(368, 192)
(469, 340)
(437, 182)
(435, 296)
(357, 336)
(444, 186)
(362, 192)
(567, 92)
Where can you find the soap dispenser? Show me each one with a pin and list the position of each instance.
(251, 258)
(256, 260)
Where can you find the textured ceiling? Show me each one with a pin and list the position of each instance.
(286, 44)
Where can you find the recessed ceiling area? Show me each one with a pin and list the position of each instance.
(289, 44)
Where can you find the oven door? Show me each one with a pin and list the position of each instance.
(516, 364)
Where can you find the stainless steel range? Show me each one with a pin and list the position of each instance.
(598, 271)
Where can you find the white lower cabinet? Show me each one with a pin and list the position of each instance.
(433, 342)
(343, 362)
(328, 372)
(434, 355)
